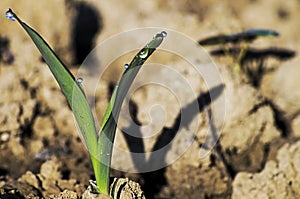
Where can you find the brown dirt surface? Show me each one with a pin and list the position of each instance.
(257, 154)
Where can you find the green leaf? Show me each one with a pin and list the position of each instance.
(69, 86)
(110, 120)
(245, 36)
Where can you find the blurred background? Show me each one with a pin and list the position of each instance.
(257, 154)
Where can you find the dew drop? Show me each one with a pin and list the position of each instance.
(144, 53)
(10, 15)
(79, 80)
(126, 66)
(164, 34)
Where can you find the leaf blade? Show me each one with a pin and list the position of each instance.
(110, 120)
(72, 91)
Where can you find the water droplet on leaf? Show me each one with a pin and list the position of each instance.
(164, 34)
(79, 80)
(144, 53)
(10, 15)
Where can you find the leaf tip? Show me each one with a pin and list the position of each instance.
(9, 14)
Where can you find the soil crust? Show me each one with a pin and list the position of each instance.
(257, 152)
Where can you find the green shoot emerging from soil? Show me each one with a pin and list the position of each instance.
(99, 144)
(246, 60)
(237, 44)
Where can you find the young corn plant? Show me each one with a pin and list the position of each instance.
(246, 60)
(99, 144)
(236, 45)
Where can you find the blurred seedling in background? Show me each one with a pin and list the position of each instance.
(247, 60)
(99, 144)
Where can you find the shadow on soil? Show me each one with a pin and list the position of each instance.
(155, 180)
